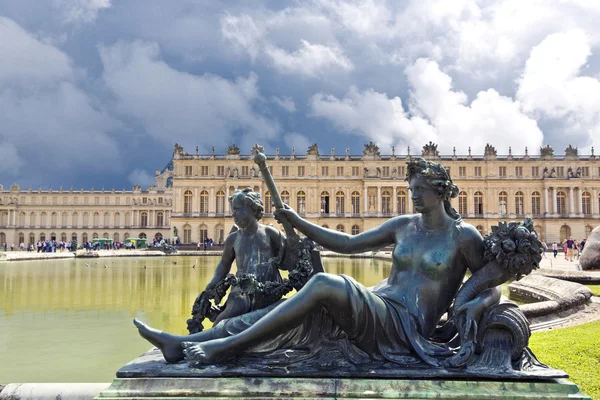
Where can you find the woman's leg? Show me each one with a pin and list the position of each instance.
(323, 290)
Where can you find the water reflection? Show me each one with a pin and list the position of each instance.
(65, 321)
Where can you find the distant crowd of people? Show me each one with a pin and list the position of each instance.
(570, 247)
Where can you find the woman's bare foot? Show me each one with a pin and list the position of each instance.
(210, 352)
(169, 345)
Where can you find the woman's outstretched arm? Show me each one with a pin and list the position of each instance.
(373, 239)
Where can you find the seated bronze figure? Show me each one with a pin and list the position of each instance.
(421, 316)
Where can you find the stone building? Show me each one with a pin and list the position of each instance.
(349, 193)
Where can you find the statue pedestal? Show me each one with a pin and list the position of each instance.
(150, 377)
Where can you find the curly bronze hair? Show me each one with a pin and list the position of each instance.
(438, 177)
(252, 199)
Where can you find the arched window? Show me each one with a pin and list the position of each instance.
(339, 228)
(536, 203)
(63, 219)
(219, 234)
(561, 205)
(158, 236)
(75, 219)
(53, 219)
(462, 203)
(187, 202)
(203, 233)
(386, 205)
(204, 202)
(95, 235)
(160, 218)
(127, 219)
(187, 234)
(44, 221)
(502, 202)
(86, 219)
(31, 238)
(340, 203)
(285, 197)
(324, 202)
(53, 236)
(3, 221)
(401, 201)
(21, 238)
(519, 203)
(355, 230)
(116, 237)
(126, 236)
(96, 219)
(325, 226)
(478, 203)
(2, 238)
(268, 203)
(84, 237)
(565, 232)
(301, 202)
(117, 219)
(142, 235)
(144, 219)
(220, 202)
(32, 219)
(105, 235)
(106, 219)
(63, 236)
(480, 229)
(586, 203)
(355, 198)
(22, 216)
(74, 236)
(43, 237)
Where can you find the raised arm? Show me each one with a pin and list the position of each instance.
(373, 239)
(224, 265)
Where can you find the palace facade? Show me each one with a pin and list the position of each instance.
(349, 193)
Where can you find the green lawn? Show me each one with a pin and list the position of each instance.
(576, 351)
(595, 289)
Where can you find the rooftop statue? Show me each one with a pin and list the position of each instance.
(430, 150)
(421, 318)
(371, 149)
(571, 151)
(547, 151)
(233, 150)
(490, 150)
(313, 149)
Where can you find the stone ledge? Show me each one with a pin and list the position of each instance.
(51, 391)
(585, 277)
(307, 388)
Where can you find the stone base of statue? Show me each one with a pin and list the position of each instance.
(150, 377)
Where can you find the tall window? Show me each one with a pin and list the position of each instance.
(340, 206)
(63, 219)
(477, 171)
(386, 201)
(220, 202)
(127, 219)
(285, 197)
(502, 172)
(187, 202)
(535, 172)
(204, 170)
(116, 237)
(355, 199)
(204, 202)
(75, 219)
(188, 170)
(117, 219)
(536, 203)
(301, 170)
(340, 171)
(586, 203)
(44, 220)
(203, 233)
(301, 202)
(478, 203)
(519, 171)
(285, 170)
(187, 234)
(561, 198)
(160, 218)
(106, 219)
(355, 171)
(268, 204)
(502, 201)
(355, 230)
(324, 171)
(84, 237)
(462, 203)
(325, 202)
(401, 200)
(462, 171)
(144, 219)
(32, 219)
(3, 221)
(96, 219)
(22, 219)
(519, 203)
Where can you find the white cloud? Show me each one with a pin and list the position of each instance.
(553, 88)
(287, 103)
(141, 177)
(298, 141)
(196, 110)
(11, 162)
(81, 11)
(310, 59)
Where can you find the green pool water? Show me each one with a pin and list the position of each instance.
(63, 321)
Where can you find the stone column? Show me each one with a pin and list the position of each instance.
(580, 201)
(554, 204)
(546, 209)
(366, 201)
(227, 210)
(379, 210)
(571, 202)
(212, 201)
(394, 200)
(151, 220)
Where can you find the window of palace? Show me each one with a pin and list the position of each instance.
(340, 202)
(355, 171)
(160, 200)
(144, 200)
(75, 200)
(324, 171)
(536, 203)
(268, 204)
(477, 171)
(586, 203)
(43, 199)
(325, 202)
(65, 200)
(355, 230)
(221, 170)
(96, 200)
(340, 228)
(585, 171)
(220, 202)
(478, 203)
(402, 171)
(386, 203)
(107, 200)
(144, 219)
(519, 171)
(462, 171)
(203, 202)
(188, 170)
(285, 170)
(502, 172)
(204, 170)
(86, 200)
(340, 171)
(448, 169)
(535, 172)
(271, 170)
(502, 202)
(560, 172)
(401, 201)
(118, 201)
(301, 202)
(386, 171)
(301, 170)
(187, 202)
(462, 203)
(54, 200)
(561, 199)
(285, 197)
(519, 203)
(355, 200)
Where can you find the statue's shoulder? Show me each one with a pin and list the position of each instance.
(467, 232)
